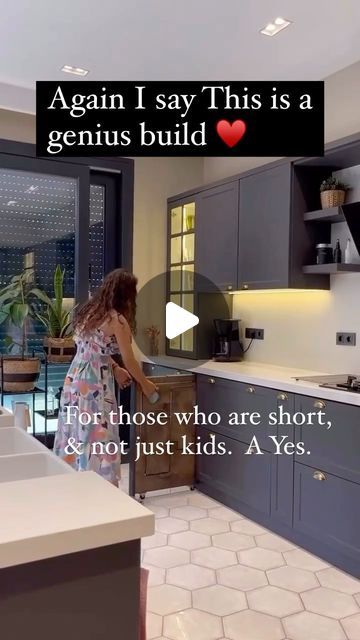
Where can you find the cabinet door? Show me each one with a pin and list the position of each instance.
(264, 229)
(240, 481)
(335, 449)
(156, 469)
(326, 511)
(216, 235)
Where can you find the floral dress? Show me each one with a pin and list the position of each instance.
(89, 389)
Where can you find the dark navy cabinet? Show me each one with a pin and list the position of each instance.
(264, 229)
(216, 245)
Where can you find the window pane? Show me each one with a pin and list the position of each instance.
(175, 279)
(175, 220)
(96, 236)
(37, 222)
(175, 342)
(175, 251)
(189, 216)
(188, 248)
(187, 340)
(188, 277)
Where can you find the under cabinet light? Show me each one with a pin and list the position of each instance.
(273, 28)
(76, 71)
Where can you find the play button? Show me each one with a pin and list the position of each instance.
(178, 320)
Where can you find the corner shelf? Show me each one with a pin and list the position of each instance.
(333, 214)
(333, 267)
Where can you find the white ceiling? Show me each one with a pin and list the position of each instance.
(168, 40)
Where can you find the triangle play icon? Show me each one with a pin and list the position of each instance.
(178, 320)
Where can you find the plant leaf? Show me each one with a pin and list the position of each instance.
(41, 295)
(18, 313)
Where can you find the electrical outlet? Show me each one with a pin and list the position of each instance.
(254, 334)
(346, 339)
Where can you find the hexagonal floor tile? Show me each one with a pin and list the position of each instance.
(189, 540)
(171, 525)
(160, 512)
(188, 513)
(352, 627)
(335, 579)
(251, 625)
(233, 541)
(213, 558)
(151, 542)
(308, 626)
(292, 579)
(169, 500)
(248, 527)
(241, 577)
(274, 601)
(304, 560)
(153, 625)
(261, 558)
(156, 575)
(328, 602)
(200, 500)
(273, 542)
(190, 576)
(210, 526)
(223, 513)
(167, 599)
(192, 624)
(166, 557)
(357, 598)
(219, 600)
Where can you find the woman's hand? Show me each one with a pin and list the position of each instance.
(148, 388)
(122, 377)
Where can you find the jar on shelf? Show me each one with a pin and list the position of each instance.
(324, 253)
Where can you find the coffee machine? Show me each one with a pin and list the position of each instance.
(228, 346)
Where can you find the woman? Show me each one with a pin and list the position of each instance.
(102, 328)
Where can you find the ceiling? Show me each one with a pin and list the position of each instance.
(164, 40)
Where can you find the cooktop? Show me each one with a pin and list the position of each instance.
(342, 382)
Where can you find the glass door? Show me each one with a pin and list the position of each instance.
(181, 268)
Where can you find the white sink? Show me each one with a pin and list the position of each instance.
(16, 441)
(6, 418)
(31, 465)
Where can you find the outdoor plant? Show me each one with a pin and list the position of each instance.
(56, 319)
(333, 184)
(18, 304)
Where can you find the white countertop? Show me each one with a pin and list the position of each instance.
(257, 373)
(51, 516)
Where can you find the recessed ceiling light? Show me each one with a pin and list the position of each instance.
(273, 28)
(76, 71)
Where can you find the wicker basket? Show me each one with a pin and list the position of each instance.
(59, 349)
(332, 198)
(19, 375)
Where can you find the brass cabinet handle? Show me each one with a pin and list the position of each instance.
(211, 381)
(319, 475)
(245, 286)
(229, 287)
(250, 390)
(319, 404)
(282, 396)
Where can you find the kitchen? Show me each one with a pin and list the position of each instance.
(250, 547)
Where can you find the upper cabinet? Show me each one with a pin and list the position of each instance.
(264, 229)
(216, 242)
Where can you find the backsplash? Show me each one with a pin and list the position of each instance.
(300, 327)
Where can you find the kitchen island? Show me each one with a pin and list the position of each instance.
(69, 557)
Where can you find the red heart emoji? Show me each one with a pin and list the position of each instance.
(231, 133)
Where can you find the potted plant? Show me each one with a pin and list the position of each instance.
(332, 192)
(58, 343)
(17, 306)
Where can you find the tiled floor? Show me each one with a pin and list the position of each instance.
(215, 575)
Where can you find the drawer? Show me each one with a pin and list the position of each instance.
(337, 450)
(226, 396)
(242, 480)
(150, 369)
(326, 509)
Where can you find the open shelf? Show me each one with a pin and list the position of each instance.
(333, 214)
(332, 268)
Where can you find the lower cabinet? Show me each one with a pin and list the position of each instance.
(238, 480)
(326, 513)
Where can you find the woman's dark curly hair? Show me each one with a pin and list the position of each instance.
(117, 293)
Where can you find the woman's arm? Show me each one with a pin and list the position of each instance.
(122, 332)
